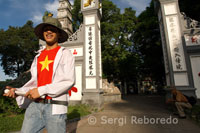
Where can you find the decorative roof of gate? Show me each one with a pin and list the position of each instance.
(76, 36)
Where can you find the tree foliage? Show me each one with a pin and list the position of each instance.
(120, 59)
(17, 48)
(77, 17)
(147, 40)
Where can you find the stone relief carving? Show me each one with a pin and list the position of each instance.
(192, 40)
(189, 23)
(77, 35)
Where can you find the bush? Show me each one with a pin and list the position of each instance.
(9, 105)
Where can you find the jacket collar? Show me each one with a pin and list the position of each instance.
(40, 50)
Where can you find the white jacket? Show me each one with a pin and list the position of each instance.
(62, 80)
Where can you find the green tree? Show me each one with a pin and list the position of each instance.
(77, 17)
(110, 31)
(18, 48)
(120, 58)
(147, 40)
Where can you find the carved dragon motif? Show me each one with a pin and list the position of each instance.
(88, 3)
(75, 35)
(189, 23)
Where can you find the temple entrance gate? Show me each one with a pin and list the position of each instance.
(85, 45)
(180, 37)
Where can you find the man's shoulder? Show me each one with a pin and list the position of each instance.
(66, 51)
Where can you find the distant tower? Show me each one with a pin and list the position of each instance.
(65, 16)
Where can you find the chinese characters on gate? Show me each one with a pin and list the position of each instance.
(175, 41)
(90, 51)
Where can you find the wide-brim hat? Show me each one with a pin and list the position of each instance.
(63, 36)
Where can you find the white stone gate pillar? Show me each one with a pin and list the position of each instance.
(92, 81)
(177, 64)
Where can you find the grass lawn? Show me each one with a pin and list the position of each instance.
(78, 111)
(13, 122)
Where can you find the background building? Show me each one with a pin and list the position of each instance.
(65, 16)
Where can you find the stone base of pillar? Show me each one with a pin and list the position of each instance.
(73, 102)
(94, 98)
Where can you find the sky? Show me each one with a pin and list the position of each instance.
(18, 12)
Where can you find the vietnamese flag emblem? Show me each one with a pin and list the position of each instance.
(74, 89)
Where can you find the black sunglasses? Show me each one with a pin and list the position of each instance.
(50, 28)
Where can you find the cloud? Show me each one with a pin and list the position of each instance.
(37, 18)
(38, 13)
(52, 7)
(138, 5)
(35, 8)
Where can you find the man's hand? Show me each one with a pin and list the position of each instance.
(11, 92)
(32, 94)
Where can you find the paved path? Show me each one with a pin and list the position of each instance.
(134, 114)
